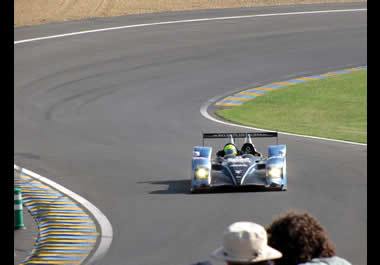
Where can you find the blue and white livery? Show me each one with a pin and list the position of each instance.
(247, 168)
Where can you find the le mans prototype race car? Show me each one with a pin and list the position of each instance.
(238, 168)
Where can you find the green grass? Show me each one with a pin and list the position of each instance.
(334, 107)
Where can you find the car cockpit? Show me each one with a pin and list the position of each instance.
(247, 149)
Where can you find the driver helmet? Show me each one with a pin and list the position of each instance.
(230, 149)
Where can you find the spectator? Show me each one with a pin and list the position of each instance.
(302, 240)
(246, 243)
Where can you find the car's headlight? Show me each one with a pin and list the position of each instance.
(274, 172)
(201, 173)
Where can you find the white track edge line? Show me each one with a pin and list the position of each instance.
(105, 226)
(187, 21)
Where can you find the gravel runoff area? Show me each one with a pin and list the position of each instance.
(35, 12)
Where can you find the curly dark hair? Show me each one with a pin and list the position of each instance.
(299, 237)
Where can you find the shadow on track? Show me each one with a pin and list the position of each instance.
(173, 186)
(183, 187)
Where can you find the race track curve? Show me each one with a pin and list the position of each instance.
(114, 115)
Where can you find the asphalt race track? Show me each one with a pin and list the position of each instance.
(114, 115)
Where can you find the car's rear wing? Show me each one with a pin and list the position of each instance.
(238, 135)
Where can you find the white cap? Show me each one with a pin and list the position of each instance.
(245, 242)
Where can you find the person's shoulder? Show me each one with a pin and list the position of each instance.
(328, 261)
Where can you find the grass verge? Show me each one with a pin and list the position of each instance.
(335, 107)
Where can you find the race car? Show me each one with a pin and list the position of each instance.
(238, 168)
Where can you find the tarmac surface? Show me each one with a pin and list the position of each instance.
(24, 239)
